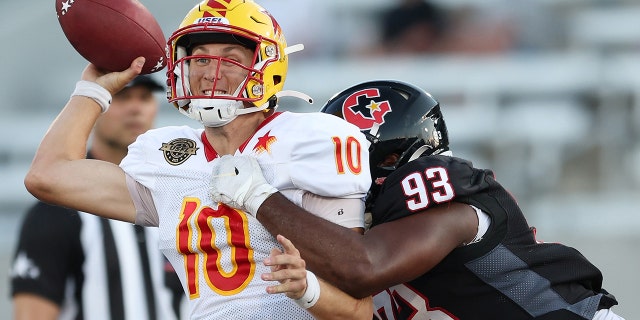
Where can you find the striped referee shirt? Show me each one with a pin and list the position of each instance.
(93, 268)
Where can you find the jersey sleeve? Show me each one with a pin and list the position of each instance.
(347, 212)
(332, 159)
(140, 177)
(48, 252)
(427, 182)
(146, 212)
(136, 164)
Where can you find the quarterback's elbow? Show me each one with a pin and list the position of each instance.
(38, 183)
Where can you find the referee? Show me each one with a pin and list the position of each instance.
(74, 265)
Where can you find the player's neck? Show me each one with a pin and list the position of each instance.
(228, 138)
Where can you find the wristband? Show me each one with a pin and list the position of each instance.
(312, 294)
(94, 91)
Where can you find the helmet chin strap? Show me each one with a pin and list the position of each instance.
(283, 93)
(293, 48)
(295, 94)
(218, 112)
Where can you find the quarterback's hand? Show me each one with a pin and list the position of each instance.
(288, 268)
(113, 81)
(238, 182)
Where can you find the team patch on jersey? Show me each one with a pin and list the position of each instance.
(177, 151)
(362, 109)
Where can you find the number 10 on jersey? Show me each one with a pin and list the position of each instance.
(348, 155)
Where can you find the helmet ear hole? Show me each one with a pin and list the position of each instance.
(277, 79)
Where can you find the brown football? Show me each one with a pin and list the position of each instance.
(111, 33)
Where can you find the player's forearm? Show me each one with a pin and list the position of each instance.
(66, 140)
(335, 304)
(335, 253)
(67, 136)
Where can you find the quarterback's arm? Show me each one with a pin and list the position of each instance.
(335, 304)
(386, 255)
(329, 302)
(61, 175)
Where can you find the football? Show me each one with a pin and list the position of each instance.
(111, 33)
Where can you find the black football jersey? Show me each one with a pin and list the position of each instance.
(507, 275)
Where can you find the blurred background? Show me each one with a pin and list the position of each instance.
(546, 93)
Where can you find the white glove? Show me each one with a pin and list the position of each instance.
(237, 181)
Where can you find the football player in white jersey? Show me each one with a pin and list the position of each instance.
(227, 66)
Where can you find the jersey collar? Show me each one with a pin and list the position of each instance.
(211, 153)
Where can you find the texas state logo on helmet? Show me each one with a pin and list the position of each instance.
(365, 108)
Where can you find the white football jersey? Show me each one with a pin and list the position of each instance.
(218, 251)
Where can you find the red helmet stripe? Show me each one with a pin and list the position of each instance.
(276, 26)
(218, 6)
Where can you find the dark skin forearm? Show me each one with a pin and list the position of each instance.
(388, 254)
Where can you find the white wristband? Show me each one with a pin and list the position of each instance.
(312, 294)
(94, 91)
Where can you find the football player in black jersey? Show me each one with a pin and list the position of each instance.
(447, 241)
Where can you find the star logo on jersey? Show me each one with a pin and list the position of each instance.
(177, 151)
(362, 109)
(264, 143)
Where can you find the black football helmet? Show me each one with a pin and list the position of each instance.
(400, 120)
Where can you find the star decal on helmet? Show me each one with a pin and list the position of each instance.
(264, 143)
(363, 110)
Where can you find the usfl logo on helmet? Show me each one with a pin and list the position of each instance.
(362, 109)
(219, 20)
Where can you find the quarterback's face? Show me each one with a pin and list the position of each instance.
(225, 72)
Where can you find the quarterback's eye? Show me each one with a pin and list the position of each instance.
(202, 62)
(230, 62)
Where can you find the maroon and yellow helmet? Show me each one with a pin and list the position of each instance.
(229, 21)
